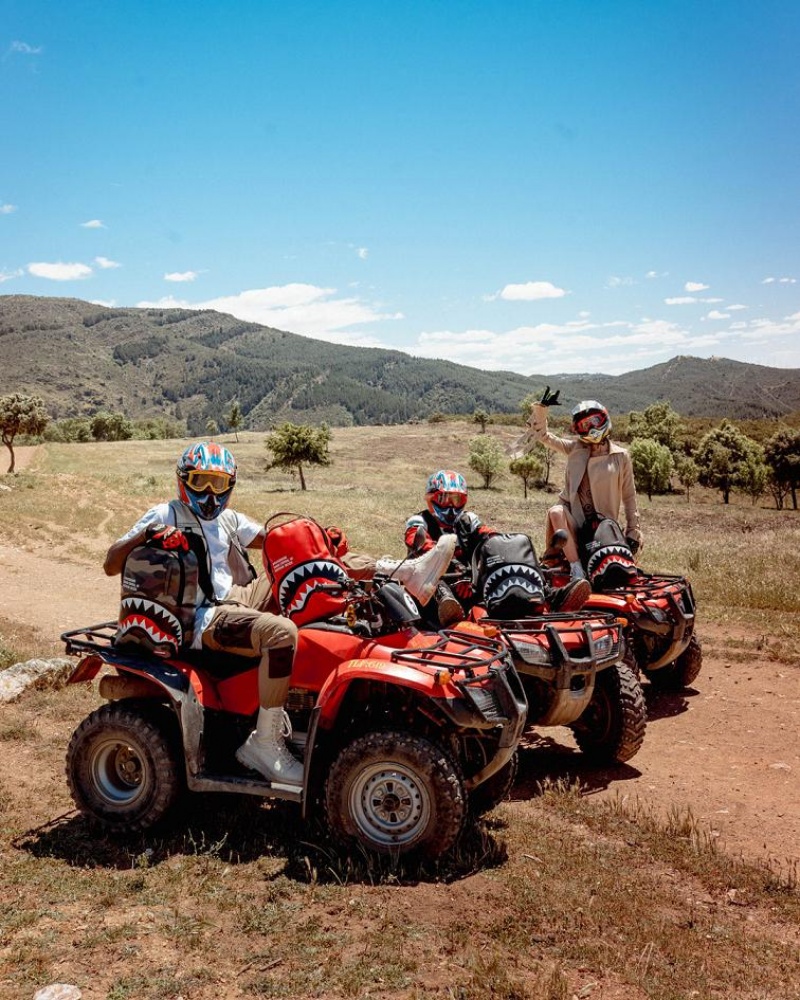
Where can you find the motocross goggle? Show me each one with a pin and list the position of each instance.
(591, 422)
(209, 482)
(448, 498)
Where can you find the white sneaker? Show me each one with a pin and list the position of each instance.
(419, 576)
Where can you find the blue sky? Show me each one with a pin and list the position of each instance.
(541, 187)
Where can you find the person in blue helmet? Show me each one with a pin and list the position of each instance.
(446, 497)
(236, 611)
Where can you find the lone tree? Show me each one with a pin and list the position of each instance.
(652, 465)
(20, 415)
(296, 445)
(658, 422)
(235, 418)
(721, 455)
(688, 473)
(486, 458)
(529, 469)
(782, 455)
(481, 417)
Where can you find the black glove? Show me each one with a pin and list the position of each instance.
(633, 545)
(550, 398)
(163, 536)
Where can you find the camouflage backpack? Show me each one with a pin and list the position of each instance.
(160, 595)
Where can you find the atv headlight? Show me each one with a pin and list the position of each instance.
(532, 652)
(658, 615)
(604, 645)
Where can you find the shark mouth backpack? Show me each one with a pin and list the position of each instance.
(608, 557)
(159, 599)
(506, 575)
(307, 578)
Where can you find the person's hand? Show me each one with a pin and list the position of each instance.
(550, 398)
(164, 536)
(633, 544)
(338, 540)
(464, 590)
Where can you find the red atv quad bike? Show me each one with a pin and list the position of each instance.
(572, 670)
(658, 609)
(570, 662)
(403, 734)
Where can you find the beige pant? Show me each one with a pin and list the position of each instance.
(560, 517)
(246, 628)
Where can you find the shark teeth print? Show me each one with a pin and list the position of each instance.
(297, 586)
(501, 580)
(153, 619)
(607, 556)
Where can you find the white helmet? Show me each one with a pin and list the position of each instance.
(590, 421)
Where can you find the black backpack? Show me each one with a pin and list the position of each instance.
(608, 557)
(506, 576)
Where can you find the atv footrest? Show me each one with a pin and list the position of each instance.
(243, 786)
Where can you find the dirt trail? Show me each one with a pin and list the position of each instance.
(729, 749)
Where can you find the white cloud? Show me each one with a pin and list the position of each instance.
(25, 49)
(584, 314)
(9, 275)
(94, 224)
(767, 281)
(363, 252)
(612, 347)
(59, 271)
(299, 308)
(716, 314)
(736, 307)
(694, 286)
(657, 274)
(105, 263)
(108, 303)
(685, 300)
(7, 209)
(788, 281)
(616, 282)
(180, 276)
(532, 291)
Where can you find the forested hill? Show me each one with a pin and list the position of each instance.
(191, 364)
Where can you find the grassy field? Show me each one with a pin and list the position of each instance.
(555, 896)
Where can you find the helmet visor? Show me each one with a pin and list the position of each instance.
(449, 498)
(589, 423)
(209, 482)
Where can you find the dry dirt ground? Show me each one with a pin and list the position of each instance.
(728, 748)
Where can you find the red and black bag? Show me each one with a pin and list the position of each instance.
(607, 555)
(299, 557)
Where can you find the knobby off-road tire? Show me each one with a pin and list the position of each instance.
(611, 729)
(394, 793)
(681, 672)
(494, 790)
(122, 768)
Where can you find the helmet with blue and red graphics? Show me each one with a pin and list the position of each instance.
(446, 496)
(206, 477)
(591, 422)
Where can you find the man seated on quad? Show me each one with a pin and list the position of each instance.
(445, 514)
(240, 614)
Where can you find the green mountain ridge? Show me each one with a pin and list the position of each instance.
(190, 364)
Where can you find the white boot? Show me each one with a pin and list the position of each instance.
(265, 750)
(419, 576)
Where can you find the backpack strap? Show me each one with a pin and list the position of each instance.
(241, 567)
(187, 522)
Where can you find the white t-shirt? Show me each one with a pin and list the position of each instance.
(217, 545)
